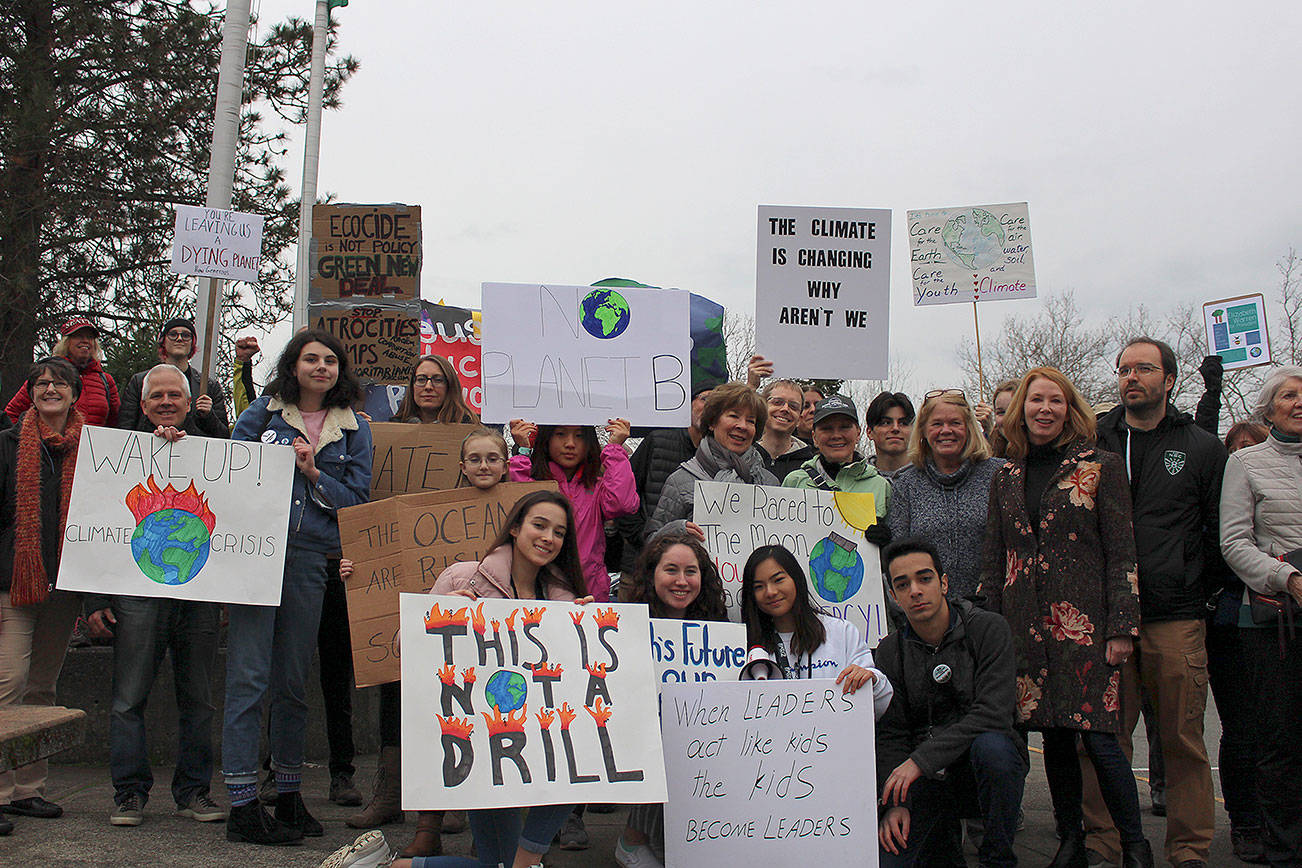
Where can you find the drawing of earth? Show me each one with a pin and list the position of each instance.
(973, 239)
(604, 314)
(837, 573)
(506, 690)
(170, 546)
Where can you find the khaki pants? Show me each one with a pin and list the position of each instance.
(33, 643)
(1171, 664)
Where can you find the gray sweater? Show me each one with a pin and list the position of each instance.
(1261, 512)
(948, 511)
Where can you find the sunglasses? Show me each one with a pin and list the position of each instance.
(945, 393)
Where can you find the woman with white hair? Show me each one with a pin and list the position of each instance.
(1261, 538)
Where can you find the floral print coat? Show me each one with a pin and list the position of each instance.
(1065, 590)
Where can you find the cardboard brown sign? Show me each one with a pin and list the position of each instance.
(365, 251)
(401, 545)
(411, 458)
(381, 342)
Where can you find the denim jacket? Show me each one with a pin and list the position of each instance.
(343, 456)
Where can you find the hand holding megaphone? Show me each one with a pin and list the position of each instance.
(760, 666)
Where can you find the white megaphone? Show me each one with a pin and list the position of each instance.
(760, 666)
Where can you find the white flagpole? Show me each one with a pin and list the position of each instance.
(311, 158)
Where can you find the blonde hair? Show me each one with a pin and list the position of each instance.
(1079, 425)
(976, 449)
(61, 348)
(482, 433)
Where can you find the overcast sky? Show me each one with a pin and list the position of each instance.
(1156, 143)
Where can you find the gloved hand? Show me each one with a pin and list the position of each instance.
(878, 534)
(1213, 371)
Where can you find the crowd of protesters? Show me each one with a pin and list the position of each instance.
(1070, 566)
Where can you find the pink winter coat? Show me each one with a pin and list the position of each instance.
(615, 495)
(491, 577)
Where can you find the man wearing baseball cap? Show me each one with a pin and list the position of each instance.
(79, 344)
(176, 346)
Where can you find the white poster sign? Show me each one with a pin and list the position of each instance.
(769, 773)
(978, 253)
(823, 529)
(198, 519)
(822, 291)
(514, 702)
(213, 242)
(1236, 331)
(581, 355)
(697, 650)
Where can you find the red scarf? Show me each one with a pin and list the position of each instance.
(29, 583)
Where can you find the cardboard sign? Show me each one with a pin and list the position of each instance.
(198, 519)
(580, 355)
(410, 458)
(521, 702)
(769, 773)
(381, 342)
(214, 242)
(403, 544)
(823, 290)
(697, 650)
(451, 332)
(365, 252)
(1236, 331)
(980, 253)
(823, 529)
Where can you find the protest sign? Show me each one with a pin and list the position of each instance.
(410, 458)
(381, 341)
(823, 529)
(197, 519)
(822, 291)
(579, 355)
(402, 544)
(971, 254)
(1236, 331)
(365, 252)
(451, 332)
(214, 242)
(508, 703)
(769, 773)
(697, 650)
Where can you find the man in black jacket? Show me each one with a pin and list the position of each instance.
(1175, 470)
(946, 746)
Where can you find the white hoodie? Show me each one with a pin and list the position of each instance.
(843, 646)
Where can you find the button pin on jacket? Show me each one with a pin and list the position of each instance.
(941, 673)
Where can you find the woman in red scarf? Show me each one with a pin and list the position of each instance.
(37, 458)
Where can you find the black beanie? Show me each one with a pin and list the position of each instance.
(178, 322)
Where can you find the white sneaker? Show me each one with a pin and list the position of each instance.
(639, 856)
(368, 851)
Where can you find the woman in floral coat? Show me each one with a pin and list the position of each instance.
(1059, 564)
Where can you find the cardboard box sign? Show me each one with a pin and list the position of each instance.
(381, 342)
(365, 251)
(402, 544)
(410, 458)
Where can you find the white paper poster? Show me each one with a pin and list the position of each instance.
(580, 355)
(1236, 331)
(823, 529)
(508, 703)
(823, 290)
(697, 650)
(977, 253)
(198, 519)
(769, 773)
(212, 242)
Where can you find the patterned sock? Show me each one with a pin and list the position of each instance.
(242, 794)
(288, 782)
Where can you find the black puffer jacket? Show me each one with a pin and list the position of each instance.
(1176, 513)
(656, 457)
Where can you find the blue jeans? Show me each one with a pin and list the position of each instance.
(987, 782)
(498, 833)
(147, 629)
(1116, 781)
(269, 651)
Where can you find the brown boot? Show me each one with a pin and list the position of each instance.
(428, 840)
(386, 803)
(454, 822)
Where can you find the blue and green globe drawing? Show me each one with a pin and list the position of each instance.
(973, 239)
(505, 690)
(836, 571)
(604, 314)
(171, 546)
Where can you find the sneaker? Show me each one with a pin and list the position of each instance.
(129, 812)
(368, 851)
(572, 835)
(639, 856)
(1248, 846)
(343, 791)
(267, 792)
(251, 824)
(203, 809)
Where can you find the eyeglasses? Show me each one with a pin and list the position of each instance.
(490, 460)
(425, 380)
(42, 385)
(945, 393)
(1143, 369)
(180, 336)
(779, 402)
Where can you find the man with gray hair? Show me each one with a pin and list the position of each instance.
(144, 629)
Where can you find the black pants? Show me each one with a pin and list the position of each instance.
(1229, 667)
(391, 714)
(1116, 780)
(1277, 709)
(334, 646)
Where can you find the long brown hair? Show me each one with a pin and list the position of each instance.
(760, 629)
(1079, 426)
(709, 604)
(454, 408)
(566, 570)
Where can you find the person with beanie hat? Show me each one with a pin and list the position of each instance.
(177, 342)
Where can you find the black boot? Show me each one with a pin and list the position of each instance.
(251, 824)
(1137, 855)
(1071, 851)
(291, 811)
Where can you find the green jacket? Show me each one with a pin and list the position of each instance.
(857, 476)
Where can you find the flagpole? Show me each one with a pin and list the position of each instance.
(311, 161)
